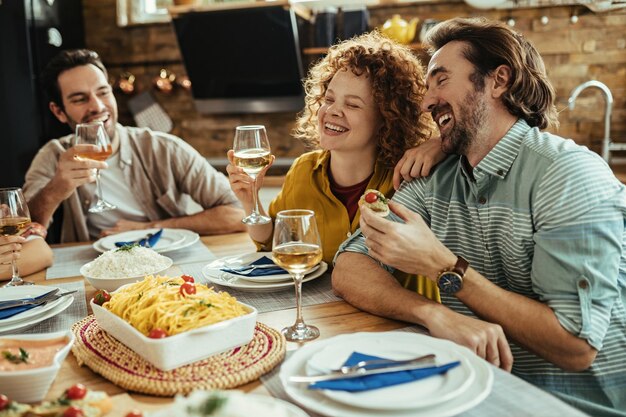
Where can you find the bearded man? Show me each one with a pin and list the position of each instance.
(522, 230)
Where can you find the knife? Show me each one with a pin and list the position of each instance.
(28, 301)
(359, 373)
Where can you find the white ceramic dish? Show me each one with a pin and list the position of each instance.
(32, 385)
(60, 305)
(233, 281)
(424, 393)
(171, 239)
(112, 284)
(237, 404)
(321, 403)
(183, 348)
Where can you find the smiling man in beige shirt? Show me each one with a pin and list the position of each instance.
(155, 179)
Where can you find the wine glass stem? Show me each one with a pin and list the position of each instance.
(299, 320)
(15, 275)
(255, 198)
(98, 186)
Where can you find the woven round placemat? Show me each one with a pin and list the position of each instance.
(119, 364)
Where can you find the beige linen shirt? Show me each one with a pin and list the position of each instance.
(165, 173)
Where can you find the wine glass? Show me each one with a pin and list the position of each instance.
(94, 134)
(297, 249)
(14, 218)
(252, 153)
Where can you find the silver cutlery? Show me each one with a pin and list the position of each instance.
(385, 363)
(51, 296)
(28, 301)
(250, 268)
(358, 373)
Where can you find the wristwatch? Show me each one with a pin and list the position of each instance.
(450, 281)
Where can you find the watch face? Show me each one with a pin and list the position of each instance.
(449, 283)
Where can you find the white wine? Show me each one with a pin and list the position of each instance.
(252, 160)
(100, 155)
(297, 257)
(13, 225)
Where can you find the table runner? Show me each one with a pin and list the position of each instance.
(67, 261)
(510, 395)
(64, 320)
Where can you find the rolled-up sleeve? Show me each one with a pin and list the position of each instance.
(579, 220)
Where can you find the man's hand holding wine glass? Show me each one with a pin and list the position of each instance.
(73, 171)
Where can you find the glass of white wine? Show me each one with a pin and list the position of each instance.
(14, 218)
(94, 134)
(297, 249)
(252, 153)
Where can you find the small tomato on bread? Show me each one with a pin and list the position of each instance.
(376, 201)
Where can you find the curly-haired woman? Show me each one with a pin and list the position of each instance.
(362, 108)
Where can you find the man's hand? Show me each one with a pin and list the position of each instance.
(71, 172)
(485, 339)
(418, 161)
(126, 225)
(410, 247)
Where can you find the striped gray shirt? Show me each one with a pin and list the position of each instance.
(542, 217)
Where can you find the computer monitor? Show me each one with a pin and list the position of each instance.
(244, 60)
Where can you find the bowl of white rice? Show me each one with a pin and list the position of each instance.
(124, 265)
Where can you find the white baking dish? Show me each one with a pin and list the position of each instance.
(184, 348)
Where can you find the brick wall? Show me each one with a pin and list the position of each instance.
(593, 48)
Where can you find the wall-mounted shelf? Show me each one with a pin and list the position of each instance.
(323, 49)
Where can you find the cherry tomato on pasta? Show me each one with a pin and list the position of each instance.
(134, 413)
(101, 297)
(371, 198)
(73, 411)
(4, 402)
(187, 288)
(188, 278)
(76, 392)
(157, 333)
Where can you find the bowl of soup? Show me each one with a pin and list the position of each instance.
(29, 363)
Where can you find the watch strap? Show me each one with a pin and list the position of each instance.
(461, 266)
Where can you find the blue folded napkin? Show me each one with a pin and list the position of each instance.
(10, 312)
(249, 271)
(149, 240)
(370, 382)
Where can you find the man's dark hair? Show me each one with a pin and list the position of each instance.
(63, 61)
(490, 44)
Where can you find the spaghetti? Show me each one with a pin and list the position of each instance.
(157, 302)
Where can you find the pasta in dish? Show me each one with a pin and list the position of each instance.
(166, 303)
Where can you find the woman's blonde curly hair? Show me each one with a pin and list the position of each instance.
(398, 84)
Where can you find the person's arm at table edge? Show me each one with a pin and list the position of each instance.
(34, 256)
(213, 221)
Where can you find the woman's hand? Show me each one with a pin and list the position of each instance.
(418, 161)
(10, 247)
(242, 184)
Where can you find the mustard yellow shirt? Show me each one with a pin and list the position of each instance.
(307, 186)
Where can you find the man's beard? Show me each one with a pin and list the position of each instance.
(466, 130)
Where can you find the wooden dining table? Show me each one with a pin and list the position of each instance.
(331, 318)
(509, 395)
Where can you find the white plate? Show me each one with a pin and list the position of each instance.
(423, 393)
(25, 324)
(320, 403)
(26, 291)
(215, 268)
(237, 404)
(171, 239)
(226, 279)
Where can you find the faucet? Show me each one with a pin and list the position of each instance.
(606, 142)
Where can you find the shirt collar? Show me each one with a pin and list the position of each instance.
(499, 160)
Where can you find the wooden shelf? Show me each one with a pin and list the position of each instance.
(322, 50)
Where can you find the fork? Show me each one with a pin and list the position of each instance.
(29, 301)
(383, 363)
